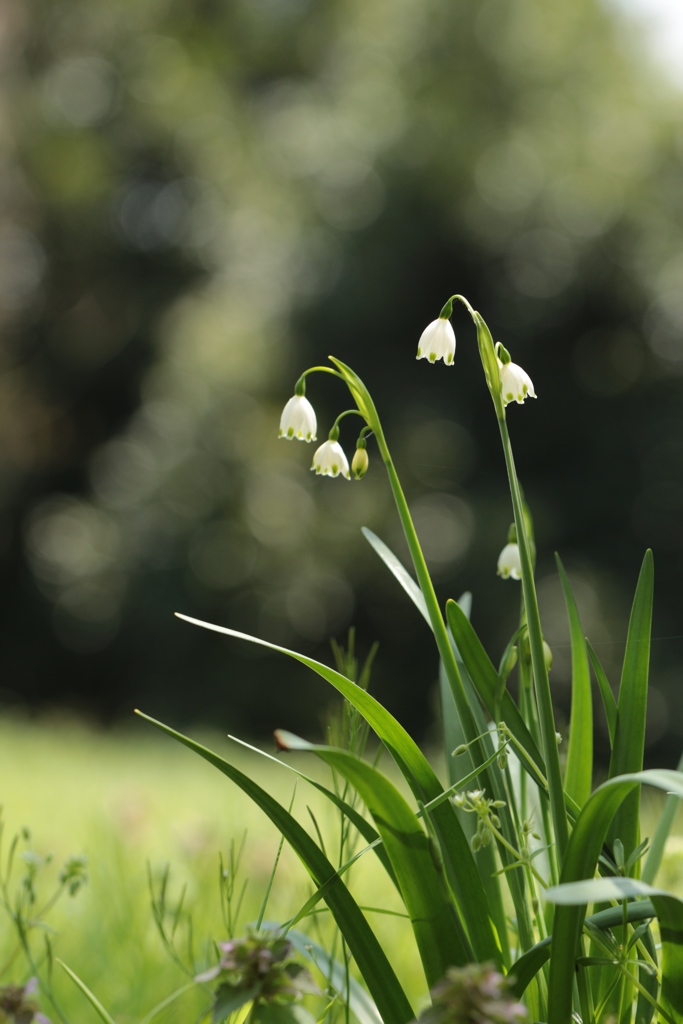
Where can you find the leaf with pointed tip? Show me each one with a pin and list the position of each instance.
(399, 572)
(608, 701)
(485, 680)
(373, 965)
(459, 863)
(578, 776)
(629, 734)
(336, 975)
(423, 891)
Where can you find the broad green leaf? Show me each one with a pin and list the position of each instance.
(528, 965)
(461, 870)
(578, 776)
(608, 701)
(580, 863)
(399, 571)
(629, 733)
(485, 679)
(376, 970)
(422, 886)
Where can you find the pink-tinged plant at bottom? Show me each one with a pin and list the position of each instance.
(17, 1006)
(260, 968)
(475, 994)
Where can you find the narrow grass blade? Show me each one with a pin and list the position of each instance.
(459, 863)
(373, 965)
(357, 820)
(656, 851)
(580, 863)
(337, 976)
(426, 898)
(397, 568)
(578, 776)
(485, 680)
(90, 996)
(629, 734)
(608, 700)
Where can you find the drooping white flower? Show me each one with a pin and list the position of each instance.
(437, 342)
(298, 420)
(509, 563)
(329, 460)
(515, 383)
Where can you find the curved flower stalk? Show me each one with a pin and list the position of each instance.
(494, 360)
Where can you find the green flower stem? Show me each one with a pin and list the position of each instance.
(366, 406)
(545, 707)
(445, 649)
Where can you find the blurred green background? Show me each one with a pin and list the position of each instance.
(200, 199)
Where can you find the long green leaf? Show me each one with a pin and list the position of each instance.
(336, 975)
(422, 887)
(608, 700)
(485, 679)
(580, 862)
(629, 734)
(397, 568)
(376, 970)
(357, 820)
(578, 776)
(90, 996)
(459, 863)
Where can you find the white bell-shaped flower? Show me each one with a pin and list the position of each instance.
(437, 342)
(329, 460)
(298, 420)
(509, 563)
(515, 384)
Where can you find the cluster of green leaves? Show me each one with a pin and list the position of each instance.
(542, 844)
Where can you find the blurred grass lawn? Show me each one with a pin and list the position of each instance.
(130, 797)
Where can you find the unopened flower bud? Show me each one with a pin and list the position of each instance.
(359, 463)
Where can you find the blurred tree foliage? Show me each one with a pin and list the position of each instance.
(197, 201)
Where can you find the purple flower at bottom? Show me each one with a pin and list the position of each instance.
(475, 994)
(16, 1006)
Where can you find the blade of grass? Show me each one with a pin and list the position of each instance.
(356, 819)
(399, 571)
(629, 734)
(485, 680)
(90, 996)
(336, 975)
(436, 927)
(373, 965)
(578, 776)
(656, 851)
(608, 700)
(459, 863)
